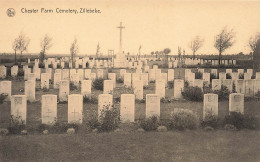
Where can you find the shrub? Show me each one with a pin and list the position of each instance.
(73, 86)
(120, 80)
(41, 65)
(184, 119)
(16, 125)
(253, 77)
(90, 100)
(241, 76)
(223, 93)
(210, 121)
(150, 124)
(241, 121)
(98, 84)
(50, 66)
(186, 84)
(193, 94)
(80, 66)
(171, 84)
(20, 72)
(87, 64)
(109, 119)
(228, 76)
(2, 98)
(212, 76)
(198, 75)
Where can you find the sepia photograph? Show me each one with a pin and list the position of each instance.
(130, 80)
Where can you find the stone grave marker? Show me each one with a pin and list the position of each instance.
(249, 88)
(160, 88)
(216, 84)
(108, 87)
(64, 90)
(152, 105)
(105, 101)
(86, 88)
(57, 79)
(6, 88)
(178, 88)
(19, 108)
(49, 109)
(240, 86)
(29, 90)
(128, 80)
(75, 108)
(138, 89)
(210, 105)
(236, 102)
(127, 108)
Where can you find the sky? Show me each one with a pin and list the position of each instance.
(154, 25)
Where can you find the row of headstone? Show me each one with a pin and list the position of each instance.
(75, 107)
(210, 106)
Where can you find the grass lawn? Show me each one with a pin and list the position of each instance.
(196, 145)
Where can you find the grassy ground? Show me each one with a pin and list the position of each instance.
(196, 145)
(135, 146)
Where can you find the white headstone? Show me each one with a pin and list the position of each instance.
(57, 79)
(256, 86)
(6, 88)
(138, 89)
(216, 84)
(249, 88)
(100, 73)
(86, 88)
(108, 87)
(152, 105)
(45, 81)
(160, 88)
(228, 83)
(112, 76)
(64, 90)
(151, 75)
(127, 108)
(178, 88)
(65, 75)
(19, 107)
(144, 78)
(75, 108)
(210, 106)
(14, 71)
(240, 86)
(29, 90)
(2, 72)
(170, 74)
(105, 101)
(49, 109)
(128, 80)
(236, 102)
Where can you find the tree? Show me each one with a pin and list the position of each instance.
(223, 41)
(256, 57)
(253, 45)
(22, 43)
(156, 53)
(74, 49)
(15, 47)
(179, 52)
(45, 45)
(196, 44)
(166, 52)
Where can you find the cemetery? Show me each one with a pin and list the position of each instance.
(123, 103)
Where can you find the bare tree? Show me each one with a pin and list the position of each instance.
(179, 52)
(15, 47)
(97, 52)
(22, 43)
(223, 41)
(196, 44)
(46, 44)
(74, 49)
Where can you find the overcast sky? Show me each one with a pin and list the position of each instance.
(154, 25)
